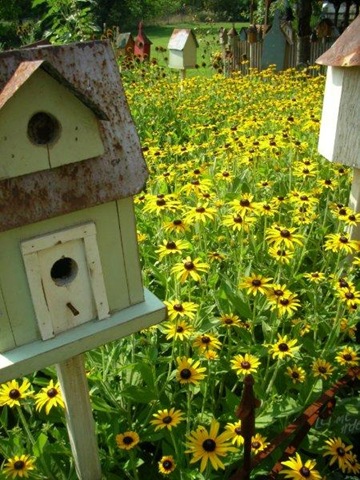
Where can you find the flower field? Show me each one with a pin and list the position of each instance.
(244, 233)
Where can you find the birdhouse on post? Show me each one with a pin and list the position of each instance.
(125, 45)
(70, 278)
(339, 139)
(142, 46)
(182, 49)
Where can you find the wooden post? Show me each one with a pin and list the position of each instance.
(354, 202)
(79, 419)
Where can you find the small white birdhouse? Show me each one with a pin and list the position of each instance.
(339, 139)
(182, 48)
(70, 163)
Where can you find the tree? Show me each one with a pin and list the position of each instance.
(303, 13)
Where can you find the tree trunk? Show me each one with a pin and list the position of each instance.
(303, 10)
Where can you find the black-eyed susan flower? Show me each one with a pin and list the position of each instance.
(245, 204)
(171, 247)
(200, 213)
(11, 393)
(167, 418)
(239, 222)
(256, 284)
(348, 357)
(315, 277)
(207, 446)
(189, 268)
(340, 242)
(176, 308)
(189, 371)
(161, 204)
(286, 304)
(299, 470)
(176, 226)
(338, 451)
(349, 296)
(178, 330)
(49, 397)
(258, 443)
(210, 354)
(216, 256)
(352, 465)
(296, 373)
(322, 368)
(305, 171)
(18, 466)
(127, 440)
(235, 431)
(283, 237)
(284, 348)
(207, 342)
(167, 464)
(245, 364)
(281, 255)
(230, 320)
(276, 292)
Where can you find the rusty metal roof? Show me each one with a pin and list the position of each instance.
(90, 69)
(345, 52)
(24, 72)
(179, 38)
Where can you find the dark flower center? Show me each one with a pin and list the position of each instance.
(305, 472)
(343, 239)
(205, 339)
(295, 375)
(14, 394)
(197, 171)
(19, 465)
(195, 182)
(167, 419)
(342, 211)
(352, 217)
(185, 373)
(237, 430)
(349, 295)
(284, 302)
(178, 307)
(189, 266)
(167, 465)
(177, 222)
(161, 202)
(322, 369)
(343, 283)
(266, 207)
(283, 347)
(340, 451)
(256, 283)
(281, 253)
(245, 365)
(285, 233)
(278, 293)
(347, 357)
(209, 445)
(226, 174)
(52, 392)
(256, 445)
(245, 203)
(171, 246)
(228, 321)
(304, 198)
(200, 210)
(238, 219)
(128, 440)
(179, 329)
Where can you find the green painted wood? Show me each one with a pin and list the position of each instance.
(6, 336)
(39, 354)
(13, 277)
(274, 46)
(78, 136)
(130, 249)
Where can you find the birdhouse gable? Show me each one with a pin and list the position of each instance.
(182, 49)
(45, 122)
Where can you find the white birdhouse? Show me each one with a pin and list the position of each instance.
(70, 163)
(182, 49)
(339, 139)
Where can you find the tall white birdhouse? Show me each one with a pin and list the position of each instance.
(340, 122)
(70, 163)
(182, 48)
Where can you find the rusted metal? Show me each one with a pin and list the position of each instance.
(90, 70)
(246, 414)
(345, 52)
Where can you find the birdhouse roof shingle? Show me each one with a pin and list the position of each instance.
(90, 70)
(345, 52)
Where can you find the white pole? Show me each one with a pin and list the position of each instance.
(79, 419)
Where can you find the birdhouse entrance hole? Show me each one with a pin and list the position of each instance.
(64, 271)
(43, 129)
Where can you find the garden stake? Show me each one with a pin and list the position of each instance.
(322, 408)
(246, 413)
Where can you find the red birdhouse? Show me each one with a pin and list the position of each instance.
(142, 44)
